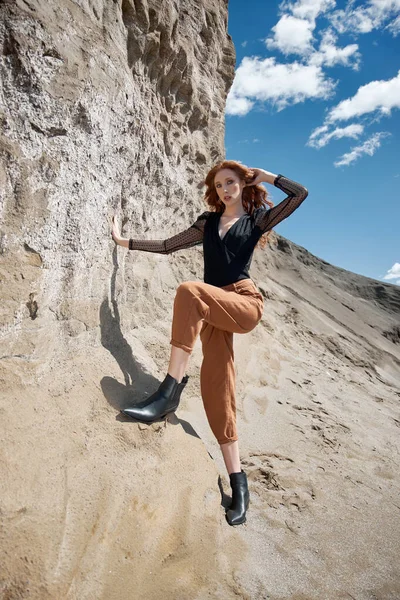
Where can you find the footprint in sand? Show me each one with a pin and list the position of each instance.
(276, 480)
(327, 427)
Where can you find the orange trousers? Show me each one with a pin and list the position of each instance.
(216, 313)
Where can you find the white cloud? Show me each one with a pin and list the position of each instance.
(307, 9)
(281, 84)
(237, 105)
(329, 54)
(393, 273)
(318, 132)
(380, 96)
(375, 97)
(368, 147)
(317, 140)
(394, 27)
(291, 35)
(367, 17)
(294, 34)
(244, 44)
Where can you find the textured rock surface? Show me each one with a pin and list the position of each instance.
(105, 107)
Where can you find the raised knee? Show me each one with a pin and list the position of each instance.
(186, 287)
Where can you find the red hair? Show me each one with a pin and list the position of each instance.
(252, 196)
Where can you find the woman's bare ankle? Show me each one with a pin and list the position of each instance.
(178, 378)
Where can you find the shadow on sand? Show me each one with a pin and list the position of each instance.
(139, 385)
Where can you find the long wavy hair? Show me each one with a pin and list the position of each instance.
(252, 196)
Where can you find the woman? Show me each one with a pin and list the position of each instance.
(227, 302)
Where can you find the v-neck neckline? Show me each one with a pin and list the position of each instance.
(233, 225)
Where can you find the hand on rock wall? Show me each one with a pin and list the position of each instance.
(115, 232)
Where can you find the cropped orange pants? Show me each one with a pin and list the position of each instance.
(216, 313)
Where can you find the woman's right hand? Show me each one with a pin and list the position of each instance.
(115, 232)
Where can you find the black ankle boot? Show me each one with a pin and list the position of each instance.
(236, 514)
(179, 390)
(165, 400)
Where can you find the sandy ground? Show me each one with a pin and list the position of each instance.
(94, 506)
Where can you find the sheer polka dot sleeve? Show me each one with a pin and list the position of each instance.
(185, 239)
(267, 219)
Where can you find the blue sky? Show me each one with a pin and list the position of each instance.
(316, 97)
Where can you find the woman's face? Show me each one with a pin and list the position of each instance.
(229, 187)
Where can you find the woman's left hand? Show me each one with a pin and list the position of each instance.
(259, 177)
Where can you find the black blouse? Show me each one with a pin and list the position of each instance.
(228, 260)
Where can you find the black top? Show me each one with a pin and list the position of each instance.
(228, 260)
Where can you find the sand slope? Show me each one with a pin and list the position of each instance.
(95, 506)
